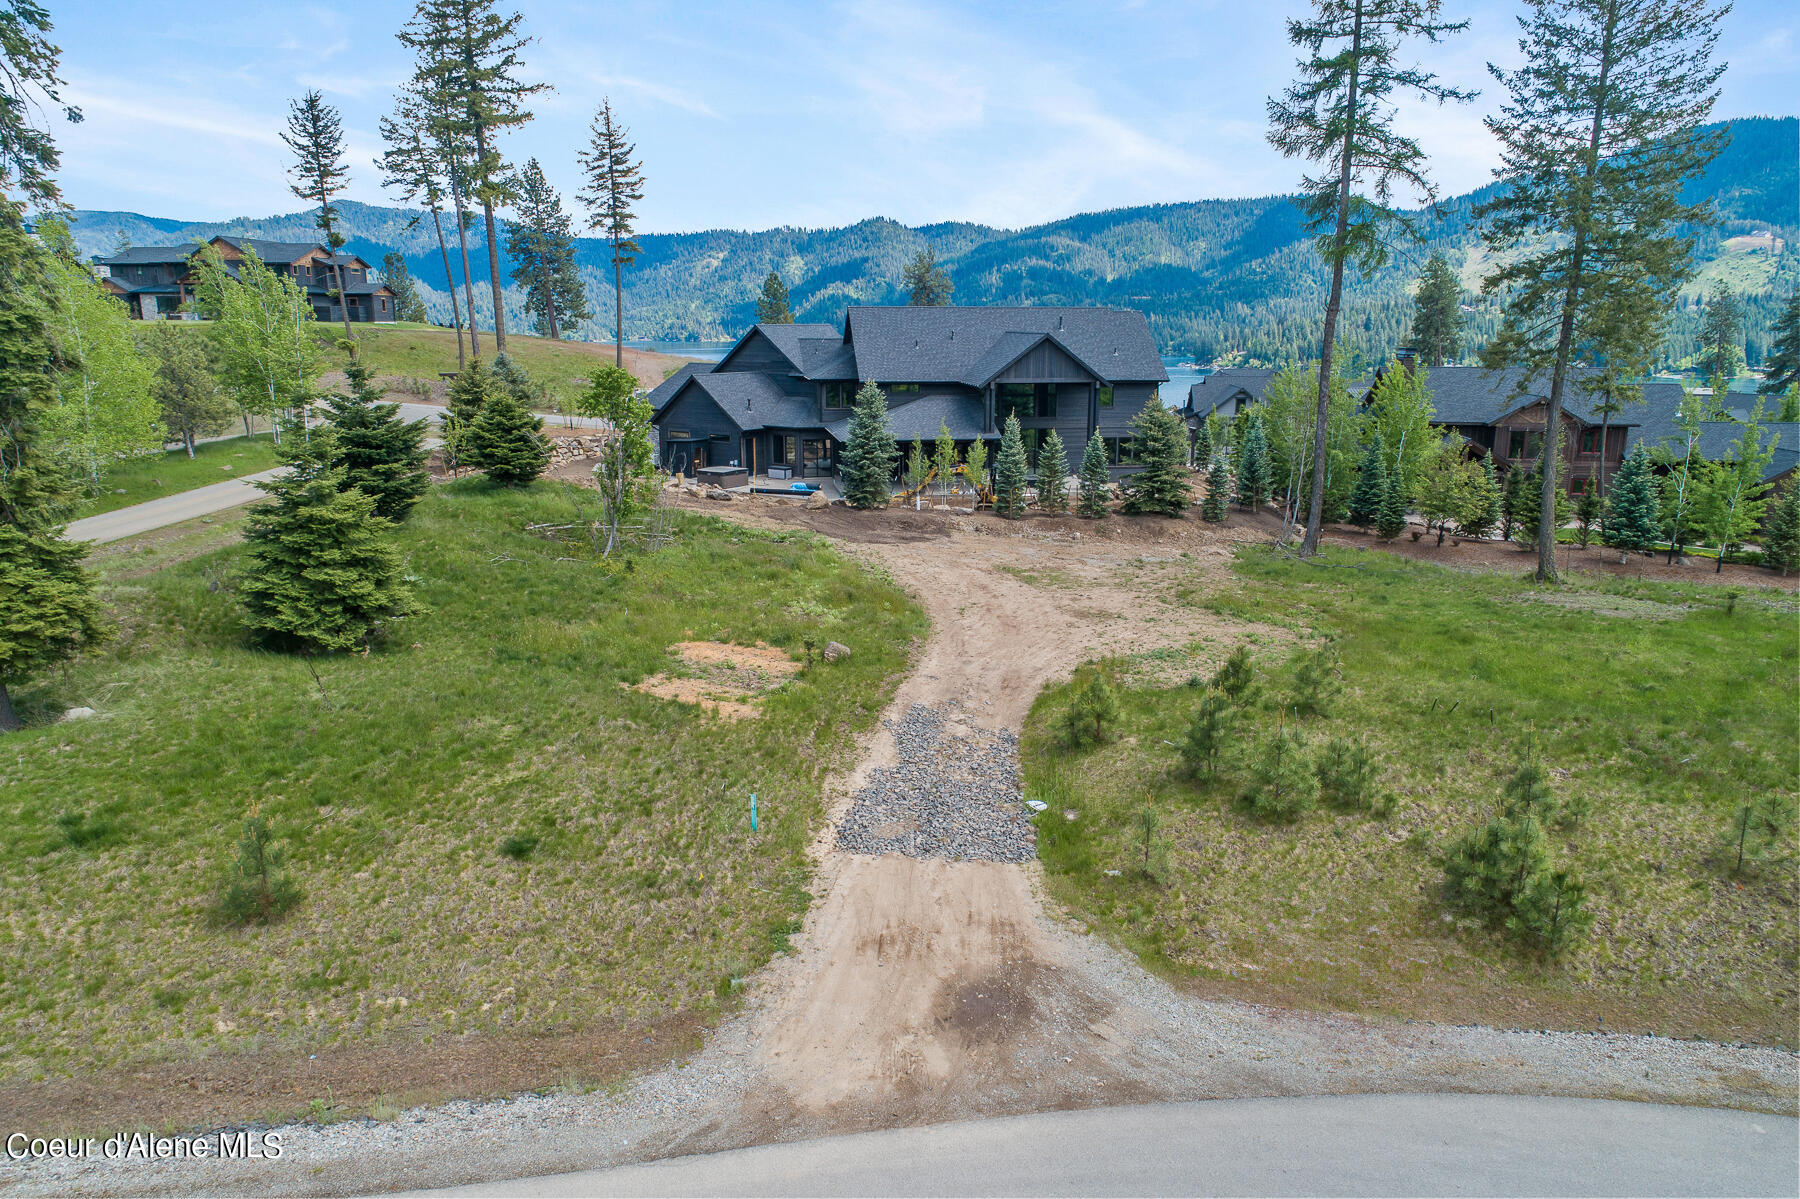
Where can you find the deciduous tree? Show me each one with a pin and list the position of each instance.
(184, 384)
(1731, 497)
(625, 473)
(262, 325)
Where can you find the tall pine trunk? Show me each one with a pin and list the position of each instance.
(1565, 337)
(618, 309)
(9, 719)
(1309, 544)
(462, 241)
(493, 249)
(450, 283)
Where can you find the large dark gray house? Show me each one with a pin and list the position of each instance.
(156, 282)
(779, 403)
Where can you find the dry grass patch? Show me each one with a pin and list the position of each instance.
(726, 680)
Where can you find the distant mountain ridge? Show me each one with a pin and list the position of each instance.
(1225, 280)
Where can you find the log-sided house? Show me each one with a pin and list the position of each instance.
(157, 282)
(779, 403)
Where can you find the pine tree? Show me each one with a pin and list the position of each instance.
(772, 305)
(1218, 491)
(1236, 677)
(542, 247)
(1208, 735)
(1092, 712)
(1095, 484)
(1587, 513)
(1599, 136)
(1722, 339)
(28, 155)
(1009, 472)
(1161, 486)
(1340, 114)
(1513, 501)
(1203, 446)
(615, 180)
(1347, 774)
(926, 283)
(1781, 367)
(379, 454)
(186, 389)
(413, 166)
(1437, 313)
(1254, 474)
(316, 136)
(470, 58)
(1631, 510)
(323, 572)
(867, 464)
(506, 441)
(408, 306)
(1371, 484)
(48, 612)
(1781, 536)
(1390, 517)
(1053, 475)
(1283, 780)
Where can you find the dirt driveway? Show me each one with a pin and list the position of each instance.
(929, 990)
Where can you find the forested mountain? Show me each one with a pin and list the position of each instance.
(1220, 280)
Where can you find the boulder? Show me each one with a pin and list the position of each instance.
(817, 500)
(83, 713)
(718, 493)
(835, 650)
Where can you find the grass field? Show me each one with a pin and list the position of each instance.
(1655, 704)
(636, 889)
(424, 351)
(139, 479)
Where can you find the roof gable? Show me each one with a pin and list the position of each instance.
(957, 344)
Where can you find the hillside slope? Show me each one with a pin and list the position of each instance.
(1218, 279)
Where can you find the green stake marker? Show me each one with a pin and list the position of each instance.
(753, 811)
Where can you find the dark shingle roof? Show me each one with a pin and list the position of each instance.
(1206, 396)
(788, 339)
(1469, 395)
(922, 418)
(751, 399)
(150, 255)
(272, 251)
(1719, 441)
(954, 344)
(827, 358)
(663, 392)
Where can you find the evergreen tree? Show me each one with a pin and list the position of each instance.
(48, 612)
(316, 136)
(28, 157)
(1781, 536)
(1587, 512)
(469, 392)
(1781, 367)
(1371, 484)
(323, 572)
(1525, 521)
(1053, 475)
(926, 283)
(1218, 491)
(1631, 510)
(1283, 780)
(506, 441)
(379, 454)
(1203, 446)
(470, 58)
(1790, 405)
(1340, 114)
(615, 180)
(1722, 339)
(509, 376)
(1161, 486)
(1009, 472)
(1095, 484)
(408, 305)
(1208, 735)
(1513, 501)
(1437, 313)
(1480, 507)
(1092, 712)
(413, 167)
(1390, 517)
(772, 305)
(1236, 677)
(542, 247)
(1590, 235)
(1254, 475)
(183, 383)
(867, 464)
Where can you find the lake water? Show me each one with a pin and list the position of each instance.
(1183, 373)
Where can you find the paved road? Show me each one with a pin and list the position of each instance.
(1328, 1145)
(218, 497)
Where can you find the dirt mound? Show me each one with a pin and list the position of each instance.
(727, 680)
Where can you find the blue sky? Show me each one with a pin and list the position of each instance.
(755, 114)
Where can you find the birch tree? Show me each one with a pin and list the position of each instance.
(262, 325)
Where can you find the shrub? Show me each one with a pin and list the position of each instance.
(1316, 683)
(1207, 735)
(1092, 712)
(1237, 677)
(80, 832)
(259, 890)
(519, 846)
(1761, 833)
(1347, 774)
(1283, 783)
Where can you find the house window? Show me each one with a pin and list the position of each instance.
(783, 450)
(1121, 451)
(1524, 443)
(1590, 441)
(839, 395)
(900, 388)
(1106, 397)
(1013, 399)
(1032, 438)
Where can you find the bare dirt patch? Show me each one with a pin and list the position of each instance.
(726, 680)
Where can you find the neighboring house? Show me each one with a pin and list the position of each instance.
(156, 282)
(1226, 392)
(779, 403)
